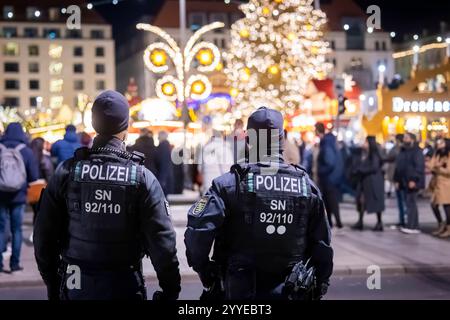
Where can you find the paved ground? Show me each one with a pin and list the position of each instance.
(393, 287)
(399, 256)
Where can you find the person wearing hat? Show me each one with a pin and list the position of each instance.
(264, 216)
(101, 212)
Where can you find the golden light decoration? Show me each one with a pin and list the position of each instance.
(245, 74)
(168, 89)
(292, 36)
(198, 87)
(234, 92)
(175, 87)
(244, 33)
(158, 57)
(219, 67)
(278, 49)
(205, 57)
(274, 69)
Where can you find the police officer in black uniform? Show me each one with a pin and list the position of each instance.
(263, 217)
(100, 214)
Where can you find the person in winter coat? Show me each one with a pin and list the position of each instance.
(65, 148)
(146, 145)
(330, 172)
(390, 171)
(164, 164)
(12, 204)
(291, 153)
(216, 160)
(409, 178)
(371, 183)
(440, 185)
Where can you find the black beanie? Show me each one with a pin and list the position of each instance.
(110, 113)
(265, 118)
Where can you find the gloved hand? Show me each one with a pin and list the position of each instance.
(162, 296)
(320, 291)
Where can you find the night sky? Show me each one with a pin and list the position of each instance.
(401, 16)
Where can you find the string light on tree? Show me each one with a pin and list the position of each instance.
(276, 50)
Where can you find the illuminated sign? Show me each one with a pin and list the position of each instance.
(431, 105)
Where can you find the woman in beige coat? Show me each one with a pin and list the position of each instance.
(440, 186)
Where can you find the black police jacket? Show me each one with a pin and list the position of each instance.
(212, 220)
(154, 227)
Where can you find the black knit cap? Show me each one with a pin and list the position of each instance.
(110, 113)
(265, 118)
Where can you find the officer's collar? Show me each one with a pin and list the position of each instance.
(108, 142)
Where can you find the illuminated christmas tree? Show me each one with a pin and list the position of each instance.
(275, 51)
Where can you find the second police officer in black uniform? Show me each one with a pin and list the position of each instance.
(100, 214)
(263, 217)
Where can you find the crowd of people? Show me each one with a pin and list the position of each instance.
(337, 168)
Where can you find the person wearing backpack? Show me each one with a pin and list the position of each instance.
(18, 167)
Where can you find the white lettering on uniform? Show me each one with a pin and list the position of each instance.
(259, 181)
(105, 173)
(274, 183)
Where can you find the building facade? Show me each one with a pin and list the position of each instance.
(47, 65)
(355, 50)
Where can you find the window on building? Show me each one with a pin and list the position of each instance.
(30, 32)
(11, 49)
(333, 45)
(54, 13)
(377, 46)
(223, 44)
(99, 52)
(8, 12)
(9, 32)
(221, 17)
(33, 67)
(335, 62)
(196, 20)
(383, 46)
(34, 84)
(74, 34)
(11, 67)
(55, 51)
(55, 68)
(78, 68)
(33, 13)
(100, 85)
(12, 84)
(33, 50)
(235, 17)
(52, 33)
(11, 101)
(99, 68)
(33, 102)
(78, 51)
(97, 34)
(56, 102)
(56, 85)
(78, 85)
(356, 34)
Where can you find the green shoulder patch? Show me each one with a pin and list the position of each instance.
(200, 206)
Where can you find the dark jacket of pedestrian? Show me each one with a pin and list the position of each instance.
(14, 136)
(44, 161)
(330, 166)
(146, 146)
(64, 149)
(410, 166)
(371, 183)
(164, 166)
